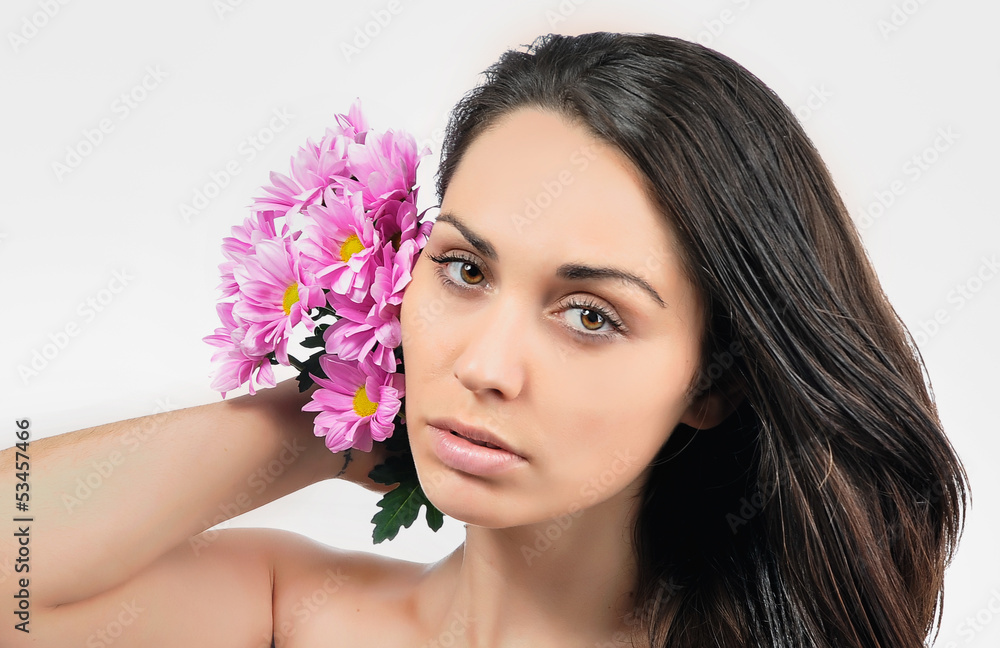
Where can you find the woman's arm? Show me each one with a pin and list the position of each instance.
(108, 501)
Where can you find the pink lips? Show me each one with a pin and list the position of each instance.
(467, 456)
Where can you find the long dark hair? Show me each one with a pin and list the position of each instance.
(824, 510)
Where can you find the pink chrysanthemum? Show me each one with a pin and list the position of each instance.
(236, 363)
(315, 166)
(398, 221)
(275, 295)
(239, 246)
(357, 404)
(372, 327)
(385, 165)
(340, 244)
(341, 230)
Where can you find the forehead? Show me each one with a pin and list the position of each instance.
(544, 188)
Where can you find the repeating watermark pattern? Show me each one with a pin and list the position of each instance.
(899, 15)
(365, 34)
(818, 96)
(305, 608)
(257, 482)
(552, 188)
(103, 469)
(435, 138)
(86, 312)
(33, 24)
(246, 151)
(110, 632)
(714, 27)
(223, 8)
(459, 625)
(957, 298)
(974, 624)
(913, 169)
(590, 494)
(22, 521)
(562, 11)
(121, 108)
(666, 588)
(747, 508)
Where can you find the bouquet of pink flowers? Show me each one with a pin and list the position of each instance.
(328, 251)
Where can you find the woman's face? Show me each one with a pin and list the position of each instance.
(508, 330)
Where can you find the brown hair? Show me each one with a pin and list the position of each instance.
(824, 510)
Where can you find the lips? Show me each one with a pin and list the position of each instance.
(485, 444)
(472, 456)
(478, 436)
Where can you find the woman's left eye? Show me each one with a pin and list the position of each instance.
(592, 317)
(592, 314)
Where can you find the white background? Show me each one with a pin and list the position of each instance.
(871, 94)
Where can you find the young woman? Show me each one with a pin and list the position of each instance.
(642, 285)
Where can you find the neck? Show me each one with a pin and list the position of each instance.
(565, 581)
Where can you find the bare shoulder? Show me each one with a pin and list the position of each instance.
(325, 596)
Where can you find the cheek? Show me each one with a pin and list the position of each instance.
(425, 306)
(612, 420)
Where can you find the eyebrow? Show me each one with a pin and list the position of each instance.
(571, 271)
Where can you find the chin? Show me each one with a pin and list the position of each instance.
(463, 497)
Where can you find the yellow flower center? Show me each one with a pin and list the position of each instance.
(350, 247)
(290, 298)
(362, 406)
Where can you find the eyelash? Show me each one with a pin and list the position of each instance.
(618, 326)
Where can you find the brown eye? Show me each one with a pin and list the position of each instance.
(597, 321)
(591, 317)
(470, 273)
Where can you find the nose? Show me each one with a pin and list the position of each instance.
(492, 357)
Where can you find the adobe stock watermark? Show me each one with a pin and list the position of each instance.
(714, 27)
(366, 33)
(103, 469)
(899, 15)
(257, 482)
(426, 317)
(747, 507)
(110, 632)
(562, 11)
(551, 188)
(246, 151)
(436, 136)
(458, 626)
(86, 312)
(433, 481)
(307, 606)
(222, 8)
(590, 493)
(915, 167)
(666, 588)
(121, 108)
(957, 298)
(32, 25)
(818, 96)
(976, 623)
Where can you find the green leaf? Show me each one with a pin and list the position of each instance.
(400, 506)
(315, 339)
(309, 366)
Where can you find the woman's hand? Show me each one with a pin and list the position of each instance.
(357, 464)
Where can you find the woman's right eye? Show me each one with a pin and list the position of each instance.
(469, 273)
